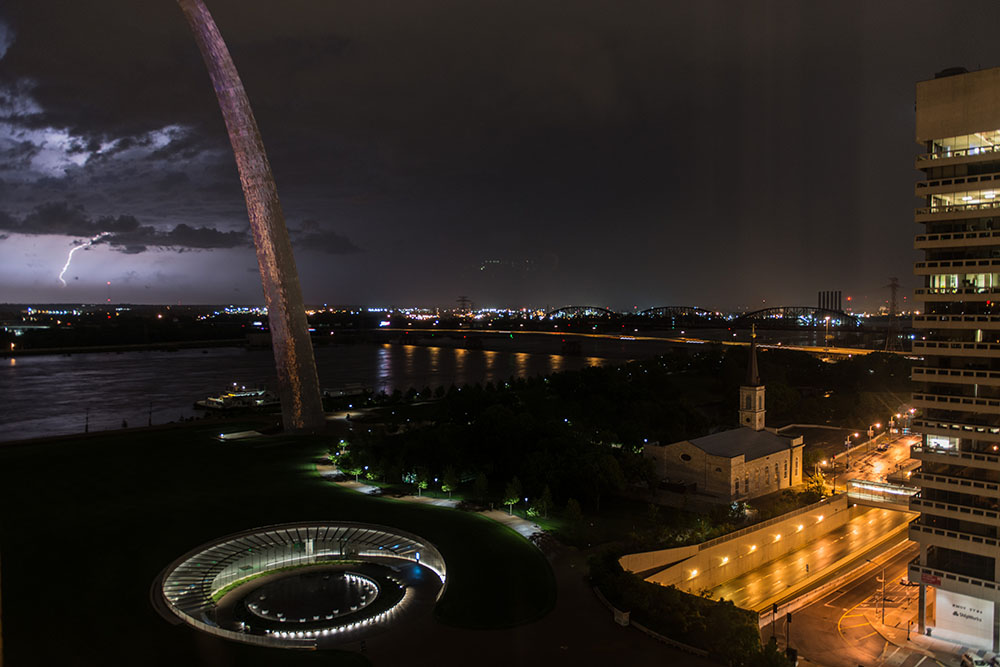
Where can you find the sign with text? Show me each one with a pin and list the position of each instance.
(965, 615)
(930, 579)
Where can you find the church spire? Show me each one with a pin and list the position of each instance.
(753, 376)
(752, 393)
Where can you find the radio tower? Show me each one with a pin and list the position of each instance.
(892, 333)
(464, 304)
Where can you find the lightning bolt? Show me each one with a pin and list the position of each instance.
(69, 258)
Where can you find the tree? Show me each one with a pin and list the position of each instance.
(545, 503)
(512, 494)
(481, 487)
(815, 485)
(449, 480)
(574, 515)
(423, 479)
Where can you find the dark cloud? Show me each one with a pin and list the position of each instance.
(658, 149)
(311, 238)
(123, 233)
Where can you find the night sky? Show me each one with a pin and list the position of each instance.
(519, 152)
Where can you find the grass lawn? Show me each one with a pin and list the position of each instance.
(88, 524)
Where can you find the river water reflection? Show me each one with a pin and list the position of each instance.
(56, 395)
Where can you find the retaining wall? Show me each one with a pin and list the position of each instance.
(695, 568)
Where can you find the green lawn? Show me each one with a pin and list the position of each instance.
(88, 524)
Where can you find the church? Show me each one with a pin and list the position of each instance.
(738, 464)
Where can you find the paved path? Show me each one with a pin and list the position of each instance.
(579, 631)
(526, 528)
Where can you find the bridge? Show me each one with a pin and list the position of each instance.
(677, 311)
(583, 312)
(783, 317)
(880, 494)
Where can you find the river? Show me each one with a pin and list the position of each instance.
(60, 394)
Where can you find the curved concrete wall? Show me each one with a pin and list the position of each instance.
(719, 560)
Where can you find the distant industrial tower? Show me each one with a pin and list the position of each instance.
(298, 384)
(829, 300)
(958, 568)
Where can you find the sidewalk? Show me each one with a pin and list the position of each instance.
(894, 632)
(527, 529)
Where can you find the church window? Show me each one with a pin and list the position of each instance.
(776, 478)
(736, 487)
(746, 482)
(686, 457)
(749, 402)
(718, 470)
(767, 475)
(786, 469)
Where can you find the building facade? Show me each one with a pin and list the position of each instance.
(958, 338)
(737, 464)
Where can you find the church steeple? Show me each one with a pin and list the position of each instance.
(752, 393)
(753, 375)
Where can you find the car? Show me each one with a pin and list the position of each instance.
(882, 448)
(973, 660)
(906, 582)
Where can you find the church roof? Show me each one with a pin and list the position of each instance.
(732, 443)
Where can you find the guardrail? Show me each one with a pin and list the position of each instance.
(958, 152)
(957, 180)
(764, 524)
(955, 535)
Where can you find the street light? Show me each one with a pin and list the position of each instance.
(883, 587)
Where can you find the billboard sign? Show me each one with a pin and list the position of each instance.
(965, 615)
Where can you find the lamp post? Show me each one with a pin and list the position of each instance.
(883, 589)
(847, 448)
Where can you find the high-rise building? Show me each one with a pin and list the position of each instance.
(958, 338)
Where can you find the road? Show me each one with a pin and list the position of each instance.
(842, 628)
(872, 465)
(760, 587)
